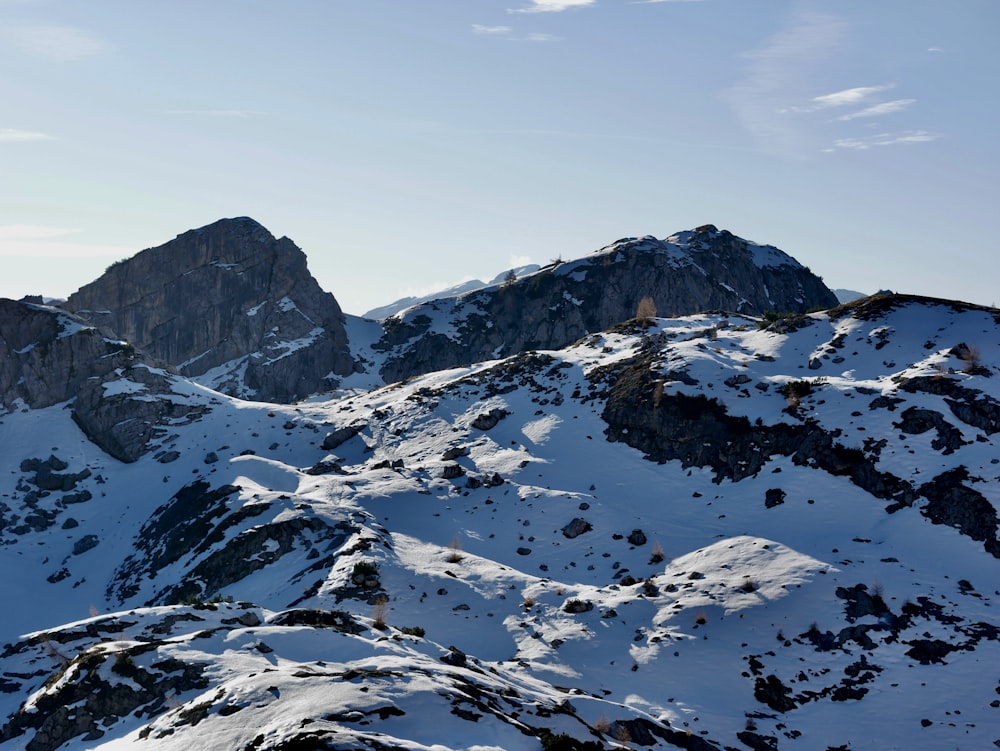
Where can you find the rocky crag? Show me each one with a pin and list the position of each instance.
(229, 305)
(689, 272)
(123, 401)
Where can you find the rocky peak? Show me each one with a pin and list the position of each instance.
(689, 272)
(228, 303)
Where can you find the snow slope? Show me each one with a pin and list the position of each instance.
(465, 561)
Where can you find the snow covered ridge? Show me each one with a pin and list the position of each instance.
(788, 542)
(704, 269)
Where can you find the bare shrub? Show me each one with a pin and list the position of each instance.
(379, 613)
(602, 724)
(646, 309)
(657, 554)
(455, 550)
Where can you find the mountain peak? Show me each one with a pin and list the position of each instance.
(228, 298)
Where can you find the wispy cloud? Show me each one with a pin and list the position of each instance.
(11, 134)
(847, 97)
(537, 37)
(42, 241)
(886, 139)
(59, 43)
(491, 30)
(219, 113)
(776, 75)
(648, 2)
(32, 232)
(507, 32)
(552, 6)
(877, 110)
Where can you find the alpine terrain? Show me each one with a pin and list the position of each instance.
(666, 495)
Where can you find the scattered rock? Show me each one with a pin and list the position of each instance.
(576, 528)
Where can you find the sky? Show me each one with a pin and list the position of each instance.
(407, 145)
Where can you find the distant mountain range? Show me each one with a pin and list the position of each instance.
(560, 511)
(384, 311)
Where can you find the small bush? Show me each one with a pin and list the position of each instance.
(749, 585)
(793, 391)
(124, 664)
(365, 568)
(414, 631)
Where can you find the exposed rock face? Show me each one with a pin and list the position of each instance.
(121, 399)
(231, 299)
(47, 355)
(704, 269)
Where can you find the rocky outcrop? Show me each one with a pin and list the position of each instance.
(120, 398)
(228, 303)
(691, 272)
(46, 355)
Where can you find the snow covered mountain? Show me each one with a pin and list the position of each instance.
(702, 269)
(237, 310)
(708, 532)
(397, 306)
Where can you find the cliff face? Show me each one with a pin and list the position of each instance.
(704, 269)
(120, 399)
(47, 355)
(230, 305)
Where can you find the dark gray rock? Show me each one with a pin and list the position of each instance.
(489, 420)
(637, 537)
(228, 294)
(340, 436)
(576, 528)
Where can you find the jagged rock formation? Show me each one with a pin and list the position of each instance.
(703, 269)
(47, 355)
(120, 398)
(228, 303)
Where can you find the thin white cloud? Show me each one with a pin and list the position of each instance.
(552, 6)
(877, 110)
(777, 73)
(935, 49)
(490, 30)
(11, 134)
(59, 43)
(56, 249)
(32, 231)
(219, 113)
(886, 139)
(538, 37)
(848, 96)
(649, 2)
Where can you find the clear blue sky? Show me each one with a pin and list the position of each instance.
(409, 144)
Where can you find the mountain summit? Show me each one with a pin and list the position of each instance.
(228, 303)
(689, 272)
